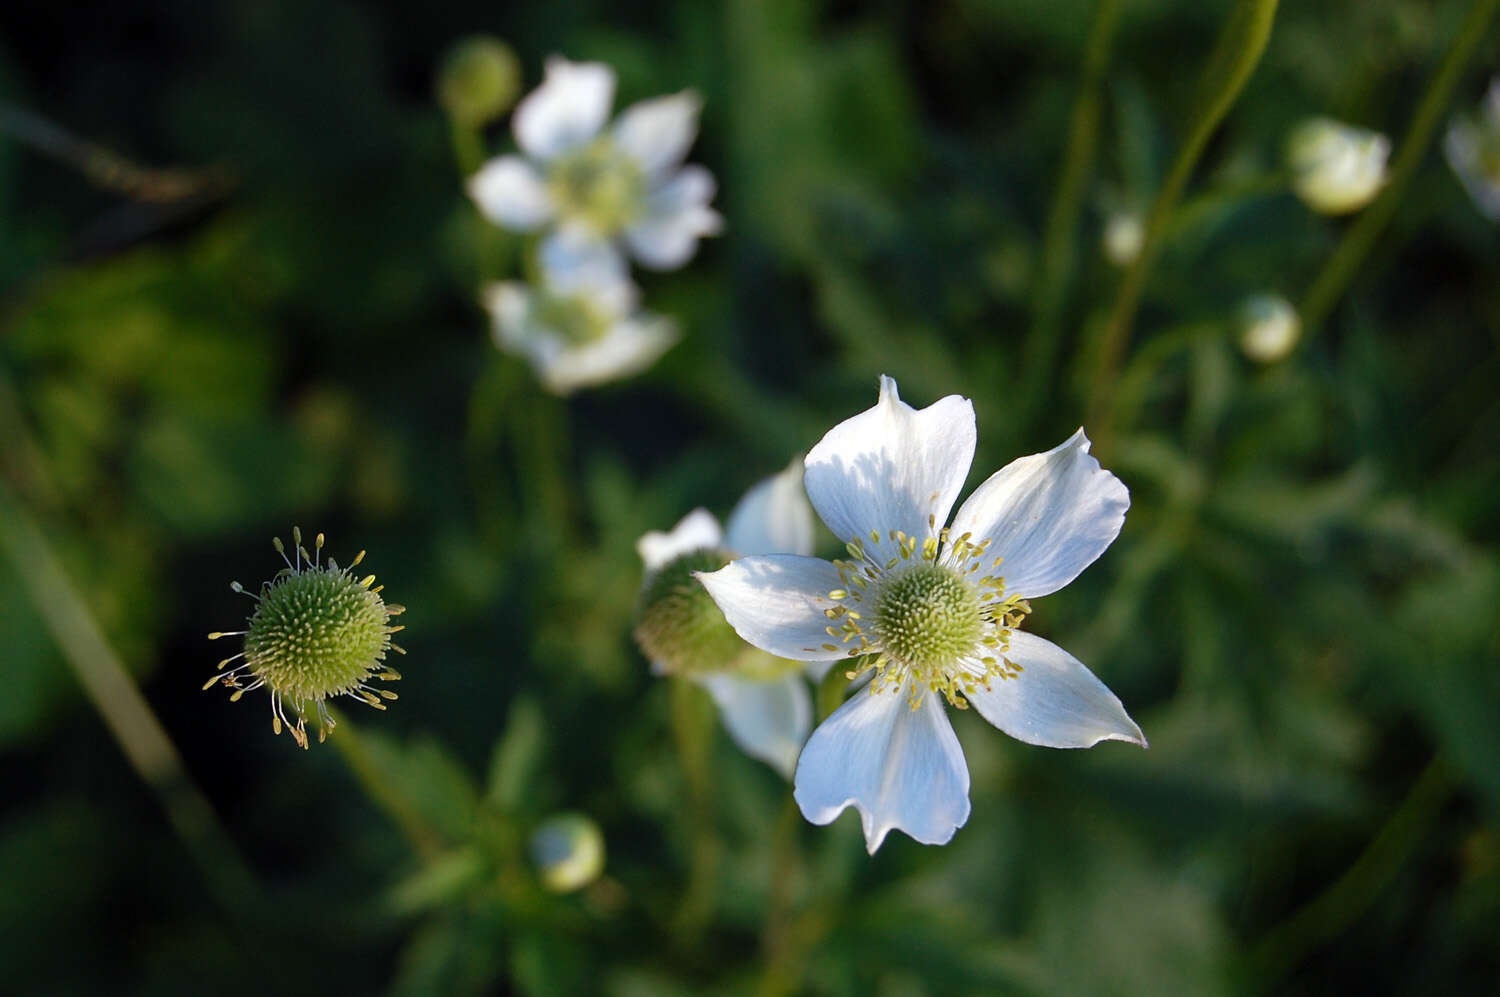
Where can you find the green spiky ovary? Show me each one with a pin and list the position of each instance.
(680, 627)
(317, 634)
(600, 186)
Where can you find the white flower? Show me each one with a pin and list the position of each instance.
(763, 700)
(1473, 149)
(580, 326)
(1269, 327)
(928, 603)
(625, 183)
(1336, 168)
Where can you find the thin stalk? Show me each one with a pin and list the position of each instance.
(778, 943)
(350, 744)
(692, 727)
(124, 710)
(1336, 274)
(1059, 243)
(1238, 51)
(1291, 941)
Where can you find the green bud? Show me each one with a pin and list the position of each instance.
(568, 851)
(479, 80)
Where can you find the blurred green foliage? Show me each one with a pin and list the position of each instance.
(1301, 611)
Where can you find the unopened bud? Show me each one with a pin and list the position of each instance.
(568, 851)
(1269, 328)
(1336, 168)
(479, 80)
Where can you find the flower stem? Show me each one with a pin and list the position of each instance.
(778, 941)
(1286, 945)
(692, 727)
(1332, 281)
(1058, 245)
(124, 710)
(351, 747)
(1238, 51)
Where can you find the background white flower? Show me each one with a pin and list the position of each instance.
(1336, 168)
(763, 701)
(626, 183)
(580, 326)
(1473, 150)
(929, 606)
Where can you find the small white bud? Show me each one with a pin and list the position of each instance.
(1336, 168)
(568, 851)
(1269, 328)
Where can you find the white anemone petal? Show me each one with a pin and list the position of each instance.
(657, 133)
(695, 531)
(567, 110)
(778, 602)
(769, 720)
(511, 193)
(901, 768)
(509, 305)
(773, 517)
(628, 348)
(1049, 515)
(1055, 702)
(677, 216)
(577, 262)
(892, 467)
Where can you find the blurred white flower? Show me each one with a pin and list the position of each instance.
(580, 326)
(1336, 168)
(1269, 327)
(762, 699)
(1473, 148)
(626, 183)
(1124, 234)
(928, 605)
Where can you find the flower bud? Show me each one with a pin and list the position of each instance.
(318, 631)
(479, 80)
(1336, 168)
(568, 851)
(678, 625)
(1124, 234)
(1269, 328)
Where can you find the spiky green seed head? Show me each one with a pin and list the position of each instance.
(679, 625)
(318, 631)
(928, 616)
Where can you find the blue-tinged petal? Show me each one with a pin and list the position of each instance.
(567, 110)
(1055, 702)
(892, 467)
(1049, 515)
(657, 133)
(773, 517)
(677, 216)
(779, 603)
(695, 531)
(901, 768)
(511, 193)
(769, 720)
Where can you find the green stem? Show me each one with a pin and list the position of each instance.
(1286, 945)
(1058, 245)
(349, 743)
(120, 704)
(778, 942)
(1360, 239)
(468, 147)
(692, 727)
(1235, 57)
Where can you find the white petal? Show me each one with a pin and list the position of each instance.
(567, 110)
(892, 467)
(1055, 702)
(1049, 515)
(629, 348)
(509, 192)
(576, 262)
(773, 517)
(1462, 146)
(657, 133)
(509, 305)
(695, 531)
(902, 768)
(777, 602)
(677, 216)
(768, 720)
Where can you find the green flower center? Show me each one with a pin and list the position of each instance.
(575, 318)
(600, 186)
(678, 623)
(317, 634)
(928, 616)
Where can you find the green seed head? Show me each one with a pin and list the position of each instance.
(677, 622)
(928, 616)
(318, 631)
